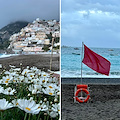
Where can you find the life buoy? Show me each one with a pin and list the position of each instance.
(80, 100)
(82, 86)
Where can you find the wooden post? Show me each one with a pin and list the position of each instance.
(51, 54)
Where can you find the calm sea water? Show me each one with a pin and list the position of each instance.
(71, 63)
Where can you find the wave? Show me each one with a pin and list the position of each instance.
(7, 55)
(113, 74)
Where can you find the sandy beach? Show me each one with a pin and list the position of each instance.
(104, 103)
(42, 61)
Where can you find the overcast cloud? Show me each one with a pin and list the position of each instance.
(95, 22)
(28, 10)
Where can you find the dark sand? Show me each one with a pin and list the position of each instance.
(41, 61)
(104, 103)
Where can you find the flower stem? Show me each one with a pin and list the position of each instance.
(25, 116)
(29, 116)
(48, 117)
(1, 116)
(39, 116)
(44, 117)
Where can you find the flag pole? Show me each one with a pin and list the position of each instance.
(81, 60)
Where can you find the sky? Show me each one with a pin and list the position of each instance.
(95, 22)
(28, 10)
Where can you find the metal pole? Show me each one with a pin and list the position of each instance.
(81, 61)
(51, 54)
(81, 66)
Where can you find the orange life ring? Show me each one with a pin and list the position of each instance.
(82, 86)
(77, 92)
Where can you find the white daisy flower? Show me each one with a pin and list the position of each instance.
(53, 80)
(0, 65)
(55, 100)
(13, 73)
(29, 106)
(38, 72)
(52, 86)
(7, 72)
(9, 91)
(31, 98)
(1, 89)
(34, 69)
(4, 104)
(7, 79)
(25, 71)
(17, 69)
(44, 74)
(58, 93)
(35, 81)
(12, 66)
(38, 87)
(35, 89)
(15, 102)
(55, 110)
(49, 92)
(43, 81)
(43, 106)
(30, 75)
(21, 78)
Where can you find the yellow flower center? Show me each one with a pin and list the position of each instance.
(6, 81)
(14, 81)
(50, 87)
(44, 75)
(58, 110)
(27, 108)
(16, 103)
(31, 76)
(50, 93)
(38, 107)
(25, 72)
(43, 81)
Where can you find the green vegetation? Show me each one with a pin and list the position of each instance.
(49, 36)
(46, 48)
(57, 39)
(56, 48)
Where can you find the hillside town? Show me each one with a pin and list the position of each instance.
(37, 37)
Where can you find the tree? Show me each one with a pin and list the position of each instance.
(46, 48)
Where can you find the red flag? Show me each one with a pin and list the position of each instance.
(95, 61)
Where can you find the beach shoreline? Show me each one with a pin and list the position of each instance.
(104, 103)
(77, 80)
(41, 61)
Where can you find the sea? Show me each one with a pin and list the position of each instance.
(71, 63)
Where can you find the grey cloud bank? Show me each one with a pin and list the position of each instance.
(28, 10)
(97, 23)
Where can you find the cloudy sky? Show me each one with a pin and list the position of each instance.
(95, 22)
(28, 10)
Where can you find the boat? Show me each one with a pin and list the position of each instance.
(76, 53)
(113, 54)
(76, 48)
(110, 50)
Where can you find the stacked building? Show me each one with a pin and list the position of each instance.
(35, 37)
